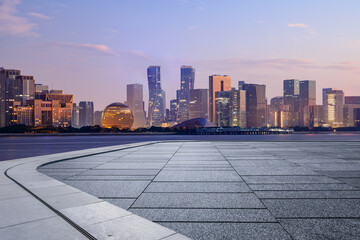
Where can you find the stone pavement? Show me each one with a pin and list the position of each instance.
(229, 190)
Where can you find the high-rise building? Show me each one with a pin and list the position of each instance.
(199, 104)
(86, 113)
(351, 102)
(7, 96)
(187, 75)
(316, 116)
(230, 108)
(334, 101)
(278, 112)
(357, 117)
(217, 83)
(75, 116)
(173, 110)
(97, 118)
(24, 88)
(135, 101)
(307, 98)
(40, 89)
(291, 98)
(241, 85)
(156, 94)
(255, 105)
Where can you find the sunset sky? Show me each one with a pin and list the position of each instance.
(94, 48)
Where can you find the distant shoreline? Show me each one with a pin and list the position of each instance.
(148, 133)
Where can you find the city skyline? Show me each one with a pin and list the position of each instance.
(258, 43)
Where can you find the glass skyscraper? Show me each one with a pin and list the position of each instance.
(156, 94)
(186, 84)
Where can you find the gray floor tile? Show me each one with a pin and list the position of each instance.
(123, 203)
(308, 194)
(111, 188)
(198, 187)
(213, 231)
(197, 176)
(324, 208)
(205, 215)
(71, 200)
(301, 186)
(288, 179)
(198, 200)
(131, 166)
(322, 228)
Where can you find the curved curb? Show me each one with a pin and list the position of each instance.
(77, 212)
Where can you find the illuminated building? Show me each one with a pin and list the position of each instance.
(230, 108)
(187, 75)
(357, 117)
(7, 81)
(307, 98)
(156, 110)
(173, 110)
(291, 92)
(135, 101)
(86, 113)
(255, 105)
(316, 116)
(117, 115)
(351, 103)
(40, 89)
(199, 104)
(75, 116)
(334, 101)
(217, 83)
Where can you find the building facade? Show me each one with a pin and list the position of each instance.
(187, 80)
(86, 113)
(217, 83)
(135, 101)
(256, 109)
(199, 103)
(334, 104)
(156, 110)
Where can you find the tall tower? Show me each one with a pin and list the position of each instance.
(255, 105)
(199, 103)
(217, 83)
(186, 84)
(135, 101)
(86, 113)
(7, 96)
(307, 98)
(156, 102)
(333, 105)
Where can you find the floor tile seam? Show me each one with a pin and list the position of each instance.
(350, 190)
(284, 229)
(319, 218)
(28, 222)
(182, 143)
(311, 198)
(204, 192)
(203, 208)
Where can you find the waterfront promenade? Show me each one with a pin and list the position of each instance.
(197, 189)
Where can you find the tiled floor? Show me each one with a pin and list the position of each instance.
(230, 190)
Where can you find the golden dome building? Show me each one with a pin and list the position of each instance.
(117, 115)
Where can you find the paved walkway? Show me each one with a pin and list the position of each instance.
(229, 190)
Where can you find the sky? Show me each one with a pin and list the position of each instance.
(93, 48)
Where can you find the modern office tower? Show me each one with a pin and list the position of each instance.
(357, 117)
(156, 102)
(278, 113)
(75, 116)
(199, 103)
(334, 101)
(351, 102)
(222, 112)
(24, 88)
(173, 110)
(316, 116)
(135, 101)
(230, 108)
(217, 83)
(187, 75)
(40, 89)
(255, 105)
(238, 108)
(97, 118)
(86, 113)
(307, 98)
(7, 81)
(241, 85)
(291, 98)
